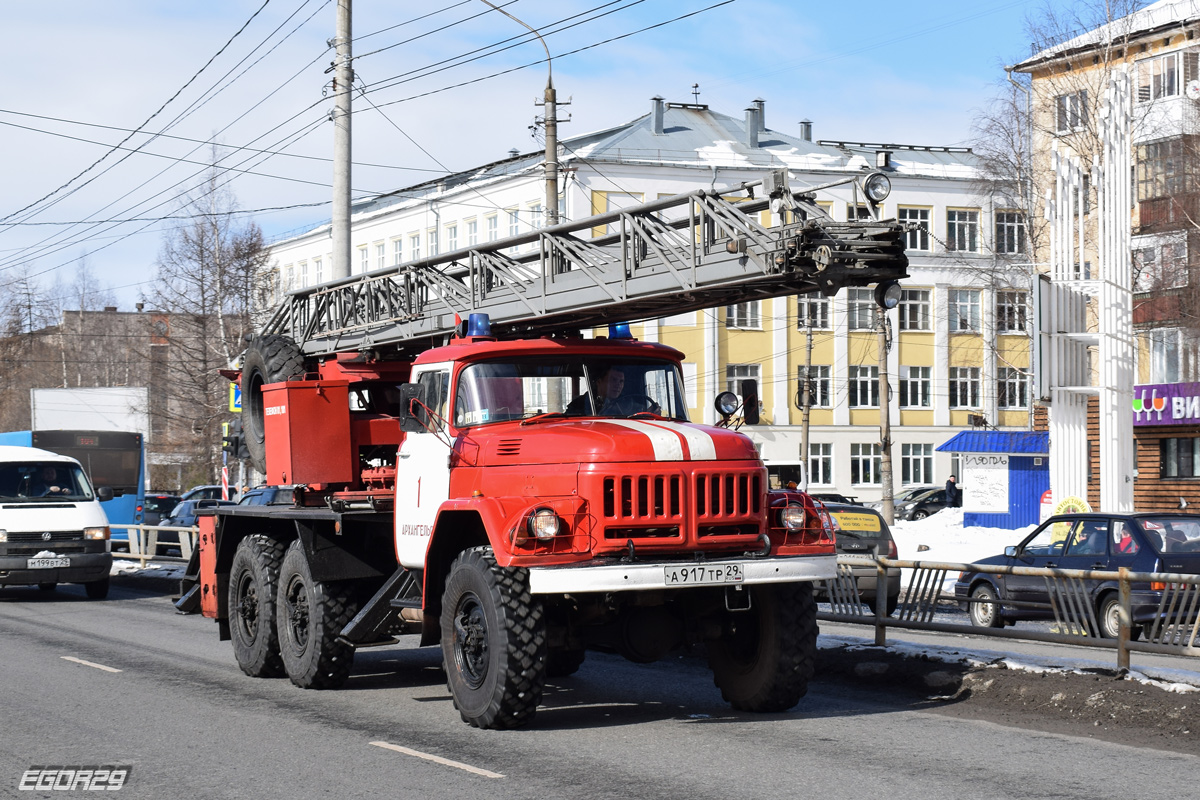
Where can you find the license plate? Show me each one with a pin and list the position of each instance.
(703, 574)
(47, 563)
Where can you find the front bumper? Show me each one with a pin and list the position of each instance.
(85, 568)
(645, 576)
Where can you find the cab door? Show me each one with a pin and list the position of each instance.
(423, 468)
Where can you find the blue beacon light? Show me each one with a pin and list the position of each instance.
(619, 330)
(479, 325)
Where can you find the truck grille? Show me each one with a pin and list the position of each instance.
(656, 505)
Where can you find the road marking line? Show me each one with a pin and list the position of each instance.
(438, 760)
(90, 664)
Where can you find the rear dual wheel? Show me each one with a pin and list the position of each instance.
(309, 615)
(253, 579)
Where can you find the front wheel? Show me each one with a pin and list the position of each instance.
(493, 642)
(309, 615)
(920, 513)
(97, 590)
(765, 659)
(985, 610)
(1109, 619)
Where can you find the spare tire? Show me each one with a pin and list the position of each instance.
(269, 359)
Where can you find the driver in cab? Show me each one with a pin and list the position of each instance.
(606, 393)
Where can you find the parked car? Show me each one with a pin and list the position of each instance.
(207, 493)
(922, 505)
(834, 497)
(860, 531)
(267, 496)
(1141, 542)
(157, 507)
(902, 496)
(184, 516)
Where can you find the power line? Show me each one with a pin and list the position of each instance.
(189, 82)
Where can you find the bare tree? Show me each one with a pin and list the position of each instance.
(209, 271)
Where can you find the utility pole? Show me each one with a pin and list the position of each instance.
(806, 398)
(343, 83)
(885, 423)
(550, 105)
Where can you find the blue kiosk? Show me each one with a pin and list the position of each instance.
(1004, 475)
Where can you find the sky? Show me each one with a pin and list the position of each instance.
(111, 110)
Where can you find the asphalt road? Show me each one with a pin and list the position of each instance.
(190, 724)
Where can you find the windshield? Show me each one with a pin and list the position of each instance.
(494, 391)
(48, 480)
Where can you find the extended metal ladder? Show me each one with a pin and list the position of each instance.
(667, 256)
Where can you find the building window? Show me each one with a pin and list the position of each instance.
(864, 464)
(397, 252)
(1156, 268)
(964, 310)
(434, 244)
(860, 309)
(452, 237)
(964, 387)
(493, 228)
(864, 387)
(916, 463)
(854, 212)
(1011, 311)
(1164, 76)
(381, 255)
(820, 463)
(1070, 111)
(915, 383)
(916, 239)
(1012, 388)
(364, 260)
(914, 310)
(1165, 355)
(414, 246)
(304, 273)
(735, 374)
(962, 230)
(1162, 170)
(535, 216)
(1179, 458)
(514, 222)
(815, 309)
(743, 315)
(290, 272)
(1010, 232)
(820, 392)
(319, 270)
(472, 232)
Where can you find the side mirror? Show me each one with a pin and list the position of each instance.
(1010, 551)
(412, 415)
(105, 493)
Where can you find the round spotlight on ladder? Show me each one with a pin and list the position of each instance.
(877, 187)
(887, 294)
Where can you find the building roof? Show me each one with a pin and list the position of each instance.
(1154, 18)
(692, 136)
(1017, 443)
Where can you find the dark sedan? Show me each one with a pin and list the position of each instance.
(922, 505)
(1140, 542)
(860, 531)
(184, 516)
(158, 506)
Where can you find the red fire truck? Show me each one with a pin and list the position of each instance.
(472, 469)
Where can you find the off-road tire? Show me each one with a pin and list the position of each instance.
(985, 608)
(563, 662)
(493, 642)
(269, 359)
(253, 578)
(97, 590)
(765, 660)
(309, 615)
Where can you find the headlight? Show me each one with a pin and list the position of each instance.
(888, 294)
(792, 517)
(543, 524)
(96, 533)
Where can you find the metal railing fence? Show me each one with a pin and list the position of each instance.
(144, 544)
(1172, 628)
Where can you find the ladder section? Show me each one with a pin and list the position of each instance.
(668, 256)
